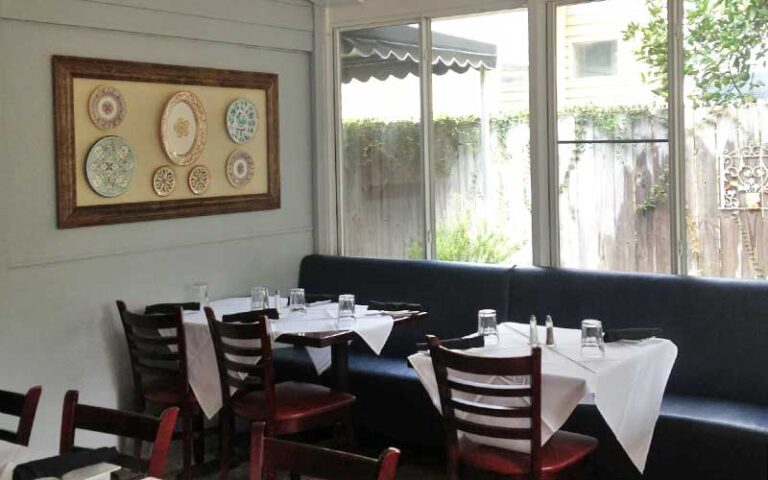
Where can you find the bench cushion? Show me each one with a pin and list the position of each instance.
(452, 293)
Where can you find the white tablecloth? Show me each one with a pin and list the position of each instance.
(626, 385)
(10, 456)
(373, 328)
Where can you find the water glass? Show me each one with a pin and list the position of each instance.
(296, 300)
(273, 301)
(200, 290)
(346, 317)
(592, 345)
(487, 327)
(259, 298)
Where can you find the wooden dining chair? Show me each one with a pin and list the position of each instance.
(170, 308)
(136, 426)
(23, 406)
(273, 455)
(244, 358)
(159, 368)
(562, 451)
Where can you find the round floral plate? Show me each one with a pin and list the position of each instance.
(164, 181)
(199, 179)
(239, 168)
(106, 107)
(109, 166)
(183, 128)
(241, 120)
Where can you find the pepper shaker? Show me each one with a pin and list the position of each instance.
(550, 331)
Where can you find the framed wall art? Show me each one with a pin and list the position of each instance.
(139, 141)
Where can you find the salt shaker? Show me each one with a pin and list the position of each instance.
(533, 336)
(550, 331)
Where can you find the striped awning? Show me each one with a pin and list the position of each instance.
(394, 52)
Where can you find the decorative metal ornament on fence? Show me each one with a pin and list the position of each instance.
(744, 178)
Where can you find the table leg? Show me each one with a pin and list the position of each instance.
(340, 366)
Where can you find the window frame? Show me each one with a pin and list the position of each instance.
(543, 127)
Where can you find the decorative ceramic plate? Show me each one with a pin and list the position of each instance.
(109, 166)
(239, 168)
(106, 107)
(241, 120)
(199, 179)
(184, 128)
(164, 181)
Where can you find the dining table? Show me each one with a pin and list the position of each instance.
(12, 454)
(316, 329)
(626, 385)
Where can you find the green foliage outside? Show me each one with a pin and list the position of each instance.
(459, 242)
(722, 40)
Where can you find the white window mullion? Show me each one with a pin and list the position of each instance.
(543, 209)
(676, 78)
(427, 136)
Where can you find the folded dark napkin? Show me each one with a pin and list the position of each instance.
(619, 334)
(393, 306)
(61, 464)
(320, 297)
(250, 317)
(170, 307)
(474, 341)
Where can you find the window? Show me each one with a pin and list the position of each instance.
(473, 202)
(612, 149)
(632, 149)
(595, 58)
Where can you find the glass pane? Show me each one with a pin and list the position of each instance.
(613, 160)
(726, 169)
(482, 170)
(381, 180)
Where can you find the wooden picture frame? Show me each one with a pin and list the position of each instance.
(66, 69)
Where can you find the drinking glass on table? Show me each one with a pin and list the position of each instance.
(273, 301)
(296, 300)
(200, 290)
(346, 317)
(592, 345)
(487, 327)
(259, 298)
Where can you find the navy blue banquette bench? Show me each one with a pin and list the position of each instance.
(714, 419)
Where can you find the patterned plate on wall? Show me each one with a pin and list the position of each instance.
(106, 107)
(241, 120)
(239, 168)
(164, 181)
(184, 128)
(199, 179)
(109, 166)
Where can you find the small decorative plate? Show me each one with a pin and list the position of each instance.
(106, 107)
(109, 166)
(199, 179)
(164, 181)
(241, 120)
(184, 128)
(239, 168)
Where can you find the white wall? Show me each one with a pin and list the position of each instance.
(58, 324)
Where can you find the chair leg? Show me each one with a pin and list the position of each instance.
(226, 426)
(187, 412)
(348, 424)
(199, 443)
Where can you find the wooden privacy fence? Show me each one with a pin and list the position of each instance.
(614, 205)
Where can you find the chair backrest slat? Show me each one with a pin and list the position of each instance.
(252, 368)
(23, 406)
(450, 365)
(157, 347)
(158, 431)
(489, 390)
(493, 431)
(316, 462)
(490, 410)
